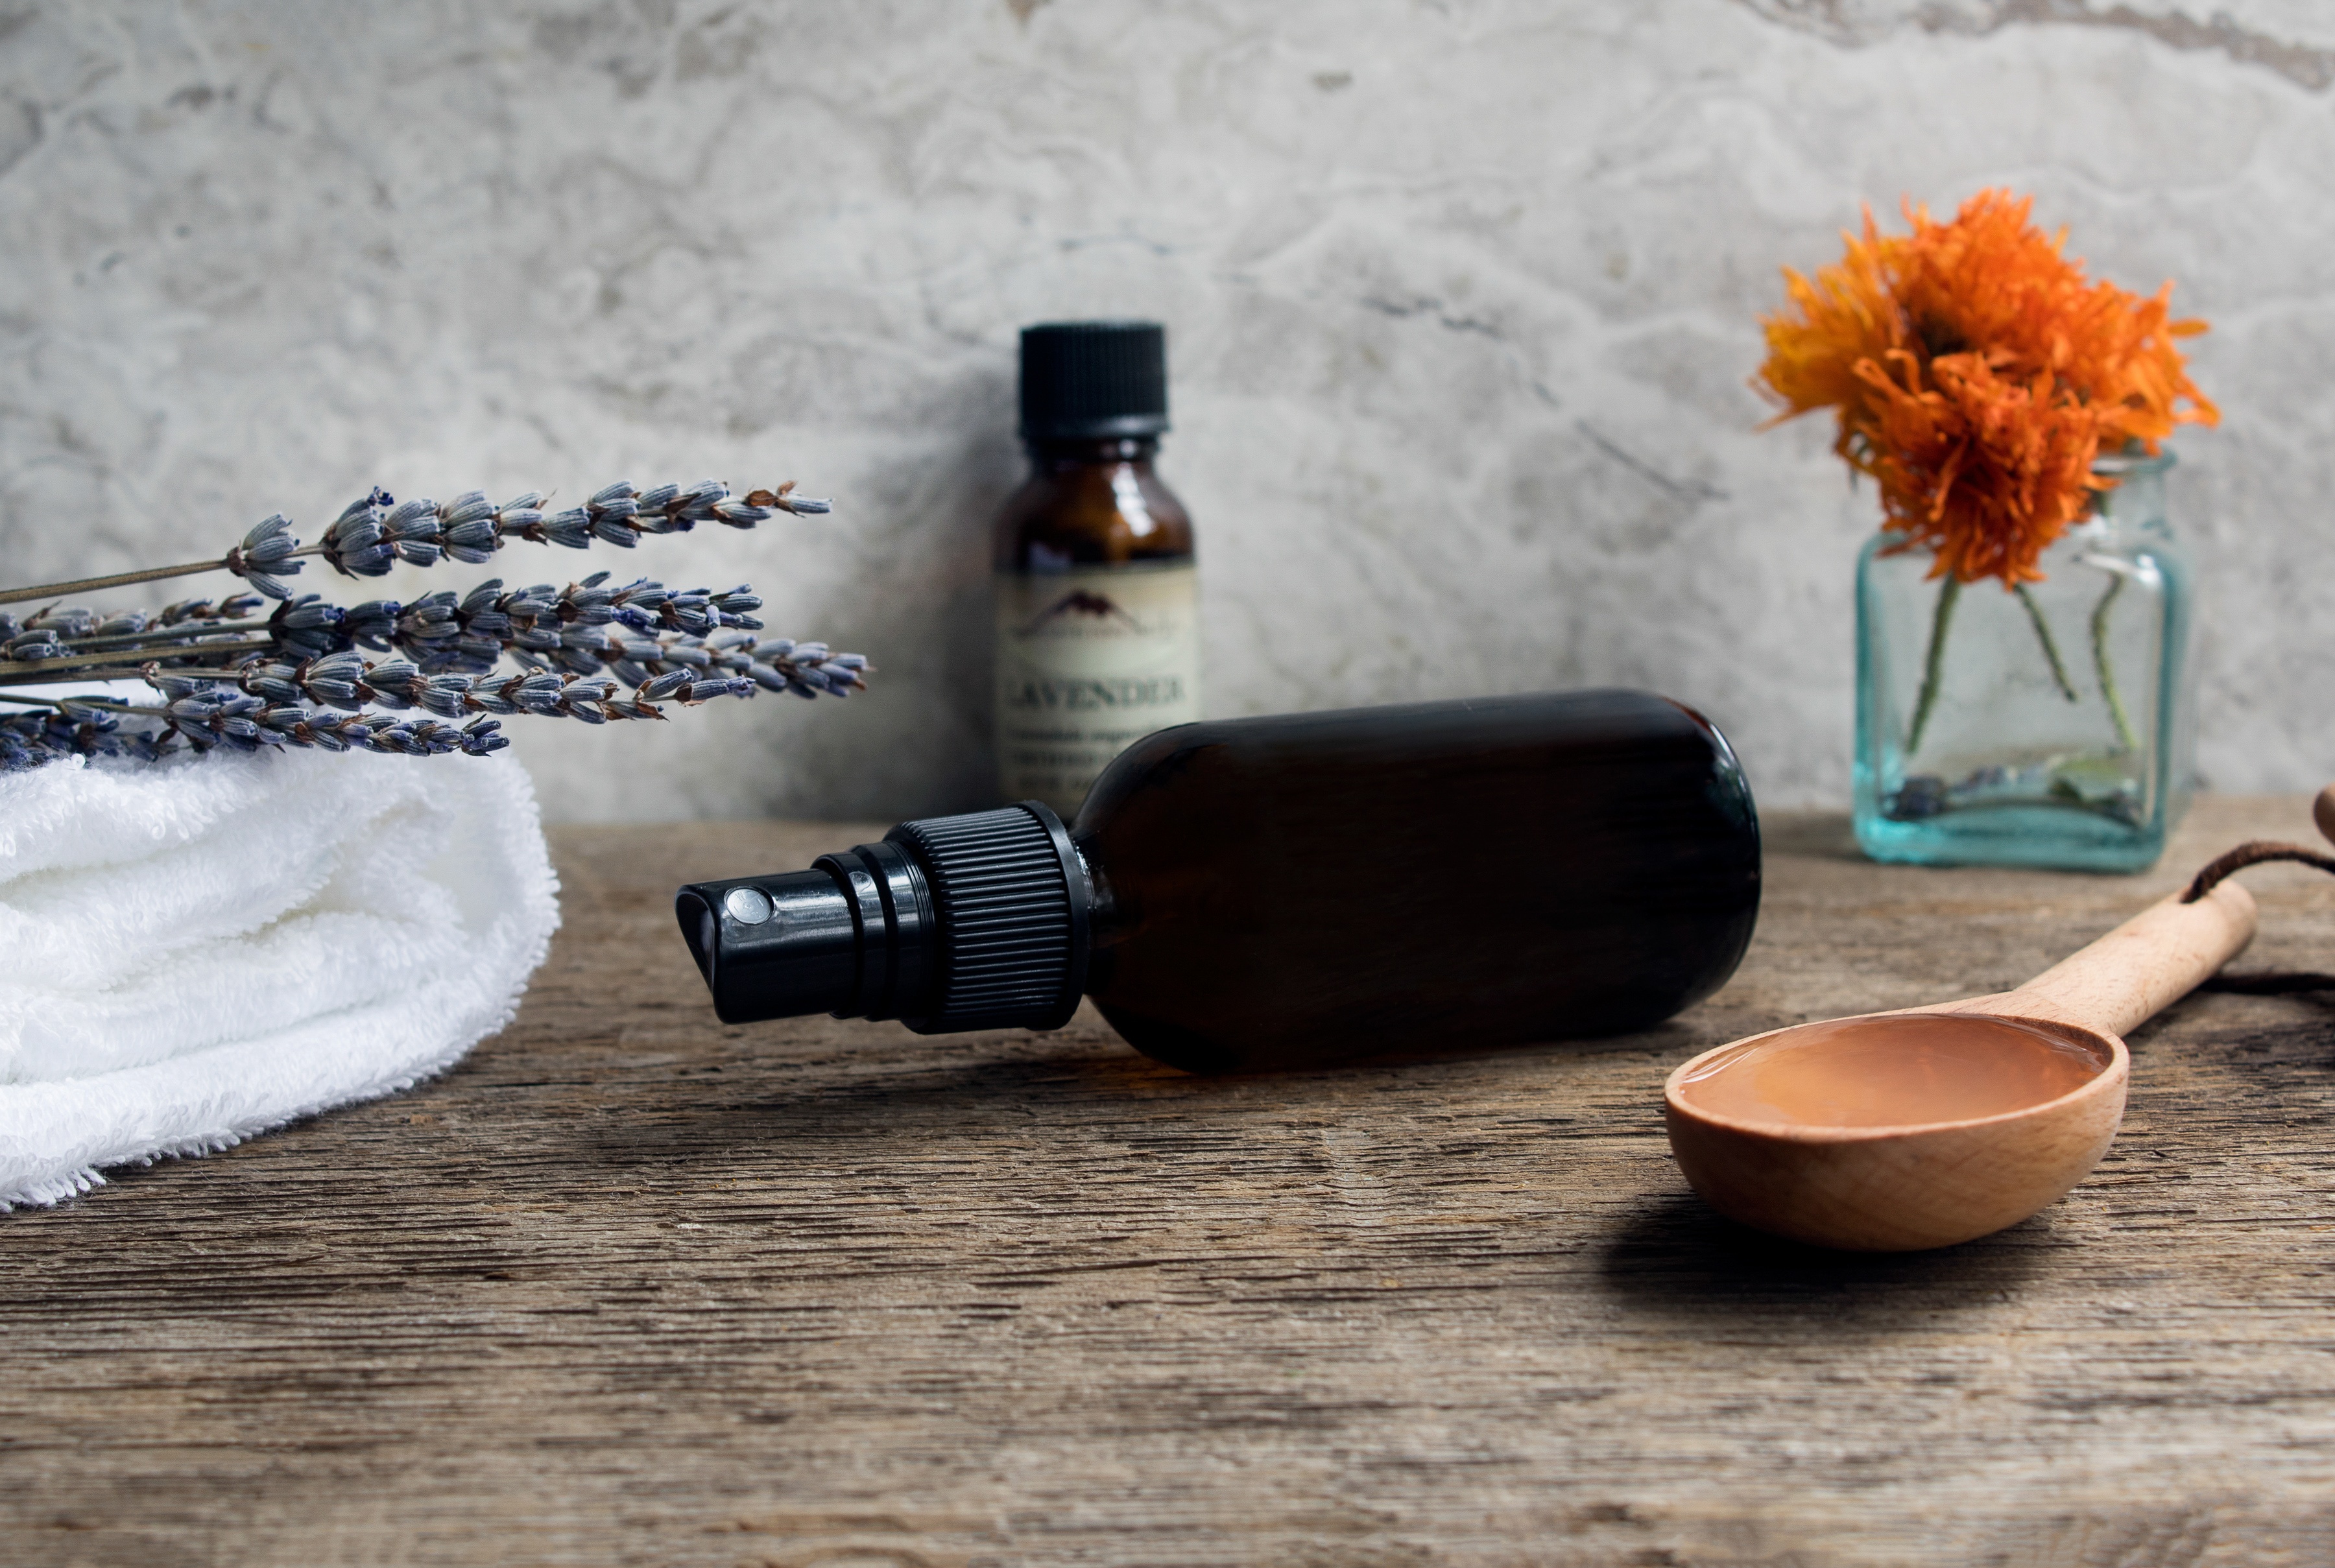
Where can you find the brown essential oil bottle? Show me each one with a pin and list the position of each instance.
(1275, 892)
(1097, 642)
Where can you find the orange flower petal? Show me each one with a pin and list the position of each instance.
(1977, 376)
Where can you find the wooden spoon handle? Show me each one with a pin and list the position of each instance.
(2144, 965)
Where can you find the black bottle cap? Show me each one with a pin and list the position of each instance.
(1093, 380)
(951, 923)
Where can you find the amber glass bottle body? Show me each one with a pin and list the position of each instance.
(1283, 892)
(1092, 503)
(1097, 634)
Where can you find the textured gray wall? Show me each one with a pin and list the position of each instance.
(1461, 299)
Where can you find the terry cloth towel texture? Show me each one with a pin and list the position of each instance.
(209, 947)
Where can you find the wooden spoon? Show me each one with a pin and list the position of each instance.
(1836, 1181)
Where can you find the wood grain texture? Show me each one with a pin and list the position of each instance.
(629, 1286)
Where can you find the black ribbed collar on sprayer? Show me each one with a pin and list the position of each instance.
(950, 922)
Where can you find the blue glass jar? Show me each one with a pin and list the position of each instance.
(2051, 726)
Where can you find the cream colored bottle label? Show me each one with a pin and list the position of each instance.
(1088, 662)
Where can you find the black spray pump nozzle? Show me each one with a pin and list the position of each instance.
(951, 923)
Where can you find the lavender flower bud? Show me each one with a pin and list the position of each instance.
(572, 527)
(470, 507)
(395, 682)
(353, 545)
(275, 681)
(305, 613)
(372, 623)
(65, 620)
(536, 694)
(336, 681)
(444, 694)
(265, 553)
(413, 529)
(428, 619)
(473, 542)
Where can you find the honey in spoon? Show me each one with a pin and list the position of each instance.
(1896, 1070)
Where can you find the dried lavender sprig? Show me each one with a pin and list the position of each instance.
(263, 709)
(30, 740)
(347, 681)
(239, 723)
(207, 717)
(774, 663)
(261, 557)
(376, 532)
(471, 633)
(70, 625)
(468, 632)
(176, 635)
(541, 626)
(119, 661)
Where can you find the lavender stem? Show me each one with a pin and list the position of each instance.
(14, 672)
(119, 580)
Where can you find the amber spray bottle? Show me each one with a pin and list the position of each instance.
(1097, 595)
(1294, 890)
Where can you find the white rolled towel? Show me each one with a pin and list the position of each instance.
(202, 949)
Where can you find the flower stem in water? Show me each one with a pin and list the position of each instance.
(2051, 644)
(2100, 662)
(1932, 665)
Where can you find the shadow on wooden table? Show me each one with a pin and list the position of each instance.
(1677, 1256)
(1818, 835)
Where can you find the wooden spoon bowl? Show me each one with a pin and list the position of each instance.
(1908, 1186)
(1904, 1187)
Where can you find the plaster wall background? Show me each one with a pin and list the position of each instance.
(1461, 302)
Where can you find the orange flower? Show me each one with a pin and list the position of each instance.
(1978, 377)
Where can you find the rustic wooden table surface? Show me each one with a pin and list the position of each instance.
(628, 1286)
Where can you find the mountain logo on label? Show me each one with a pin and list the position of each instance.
(1081, 601)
